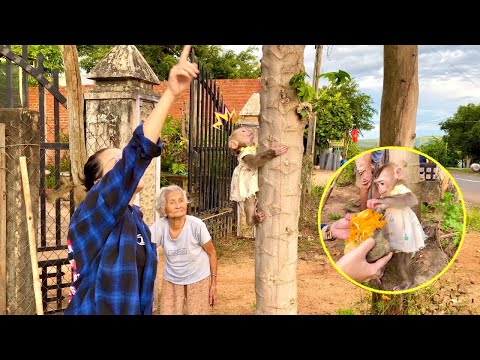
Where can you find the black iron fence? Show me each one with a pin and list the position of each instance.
(210, 161)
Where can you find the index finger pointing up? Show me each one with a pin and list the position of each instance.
(185, 52)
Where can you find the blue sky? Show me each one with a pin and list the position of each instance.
(448, 77)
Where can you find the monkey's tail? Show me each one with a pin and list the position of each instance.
(66, 188)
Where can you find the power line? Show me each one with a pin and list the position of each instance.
(448, 62)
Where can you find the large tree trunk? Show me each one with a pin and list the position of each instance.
(400, 95)
(279, 181)
(397, 127)
(78, 153)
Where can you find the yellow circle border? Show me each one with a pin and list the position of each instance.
(338, 172)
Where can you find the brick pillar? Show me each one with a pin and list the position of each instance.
(122, 98)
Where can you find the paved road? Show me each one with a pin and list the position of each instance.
(469, 185)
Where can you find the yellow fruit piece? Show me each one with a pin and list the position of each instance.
(362, 226)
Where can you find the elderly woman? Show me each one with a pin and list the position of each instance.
(190, 272)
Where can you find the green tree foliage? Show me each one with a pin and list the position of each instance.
(16, 85)
(339, 106)
(90, 55)
(226, 64)
(334, 116)
(220, 64)
(463, 130)
(175, 147)
(360, 105)
(52, 59)
(439, 150)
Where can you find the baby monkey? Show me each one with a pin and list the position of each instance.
(244, 186)
(404, 231)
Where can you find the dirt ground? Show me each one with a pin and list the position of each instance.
(323, 291)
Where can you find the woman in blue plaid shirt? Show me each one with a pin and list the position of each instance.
(113, 260)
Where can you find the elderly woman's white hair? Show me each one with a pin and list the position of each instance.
(162, 198)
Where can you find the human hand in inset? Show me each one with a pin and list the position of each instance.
(354, 264)
(367, 178)
(340, 229)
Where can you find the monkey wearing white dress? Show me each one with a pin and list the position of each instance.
(244, 185)
(404, 230)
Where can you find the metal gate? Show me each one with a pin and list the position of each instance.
(52, 168)
(210, 161)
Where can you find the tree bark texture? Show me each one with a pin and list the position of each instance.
(400, 95)
(78, 153)
(397, 127)
(279, 182)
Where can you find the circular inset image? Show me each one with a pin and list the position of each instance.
(392, 220)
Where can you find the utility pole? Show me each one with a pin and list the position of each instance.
(313, 121)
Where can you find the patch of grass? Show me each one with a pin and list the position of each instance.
(473, 218)
(452, 216)
(50, 182)
(233, 247)
(317, 190)
(428, 212)
(463, 171)
(448, 212)
(347, 176)
(346, 311)
(334, 217)
(309, 209)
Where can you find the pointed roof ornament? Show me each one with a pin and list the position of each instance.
(123, 61)
(252, 107)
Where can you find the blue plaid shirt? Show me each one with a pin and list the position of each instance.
(103, 240)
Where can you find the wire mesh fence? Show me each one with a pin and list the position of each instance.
(21, 139)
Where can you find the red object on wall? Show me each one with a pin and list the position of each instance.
(354, 135)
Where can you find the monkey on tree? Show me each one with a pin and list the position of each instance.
(244, 185)
(404, 230)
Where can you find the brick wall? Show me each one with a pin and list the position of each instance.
(235, 92)
(33, 105)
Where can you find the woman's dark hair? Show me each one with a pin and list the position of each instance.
(92, 170)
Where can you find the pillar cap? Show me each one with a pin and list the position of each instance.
(126, 62)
